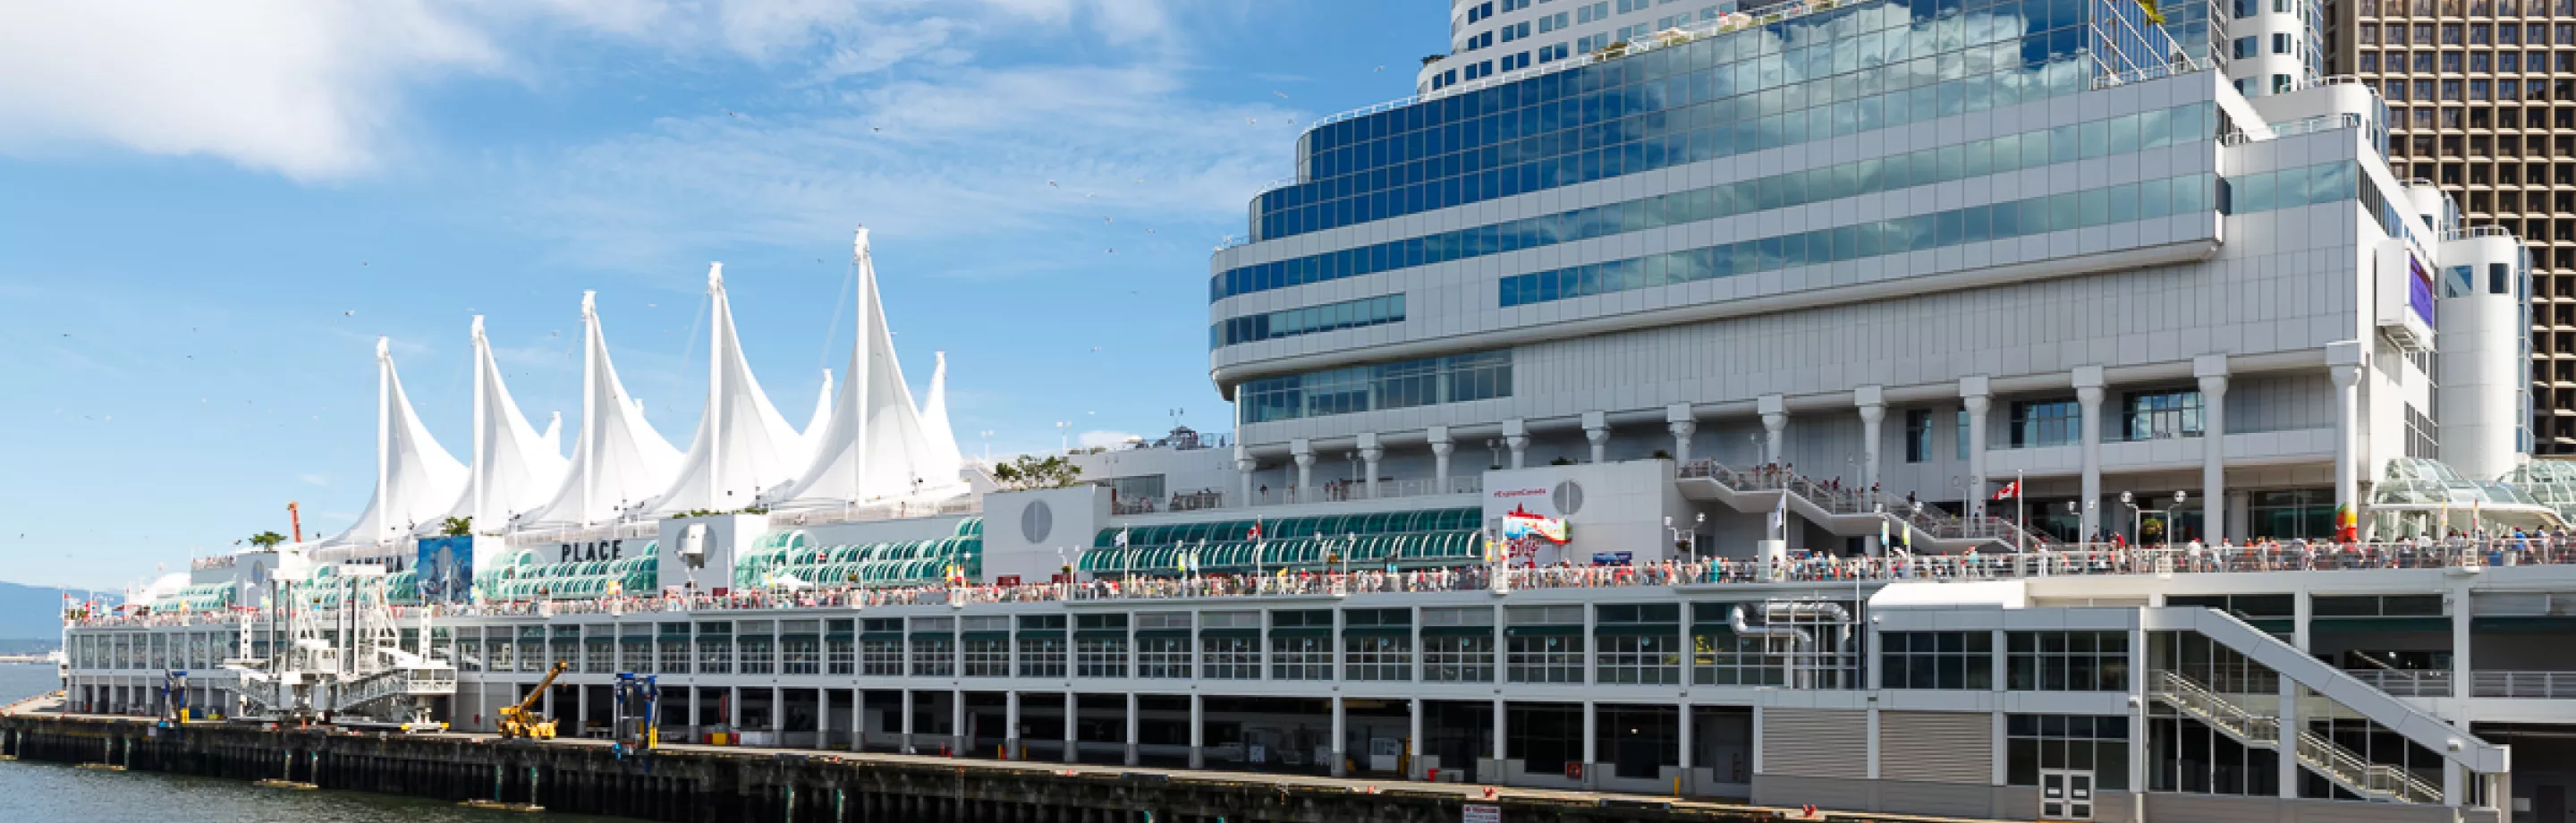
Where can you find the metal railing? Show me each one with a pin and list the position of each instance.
(2218, 712)
(2349, 768)
(2405, 682)
(2523, 685)
(2310, 125)
(878, 512)
(1833, 498)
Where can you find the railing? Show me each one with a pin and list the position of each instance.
(2219, 712)
(1833, 498)
(2310, 125)
(877, 512)
(2405, 682)
(2480, 230)
(580, 534)
(2523, 685)
(2347, 767)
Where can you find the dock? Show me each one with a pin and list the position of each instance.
(694, 783)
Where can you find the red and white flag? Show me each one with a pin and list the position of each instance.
(2009, 491)
(1256, 528)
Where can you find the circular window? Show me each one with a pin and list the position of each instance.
(1037, 521)
(1568, 498)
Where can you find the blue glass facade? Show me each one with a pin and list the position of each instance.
(1840, 71)
(2058, 212)
(2099, 138)
(1456, 378)
(1348, 314)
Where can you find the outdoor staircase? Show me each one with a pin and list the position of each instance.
(2319, 754)
(1856, 512)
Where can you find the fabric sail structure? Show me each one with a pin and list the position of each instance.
(934, 420)
(821, 418)
(618, 461)
(416, 479)
(514, 468)
(743, 446)
(875, 448)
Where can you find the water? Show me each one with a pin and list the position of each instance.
(53, 791)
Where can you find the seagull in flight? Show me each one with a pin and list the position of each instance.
(733, 114)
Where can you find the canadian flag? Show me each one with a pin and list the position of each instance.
(1256, 529)
(2009, 491)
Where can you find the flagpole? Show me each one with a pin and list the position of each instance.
(2021, 509)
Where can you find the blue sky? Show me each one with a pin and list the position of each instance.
(208, 212)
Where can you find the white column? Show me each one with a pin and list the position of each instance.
(1516, 437)
(1340, 760)
(1413, 740)
(1072, 738)
(1775, 425)
(1973, 395)
(2348, 429)
(1679, 421)
(1131, 728)
(1011, 725)
(2212, 371)
(1596, 430)
(1873, 417)
(1370, 452)
(580, 708)
(1502, 714)
(2088, 401)
(1198, 731)
(958, 739)
(1690, 782)
(903, 741)
(733, 709)
(1303, 451)
(1243, 468)
(858, 719)
(2291, 725)
(2460, 646)
(1441, 447)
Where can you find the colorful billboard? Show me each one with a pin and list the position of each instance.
(445, 569)
(2419, 291)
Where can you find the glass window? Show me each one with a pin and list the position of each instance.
(1936, 660)
(2159, 415)
(2096, 743)
(2067, 661)
(1918, 435)
(2038, 423)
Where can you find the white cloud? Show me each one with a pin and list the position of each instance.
(316, 89)
(1102, 439)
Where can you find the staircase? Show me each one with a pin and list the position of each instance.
(2319, 754)
(1855, 512)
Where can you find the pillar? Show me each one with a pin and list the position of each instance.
(957, 736)
(581, 709)
(1872, 401)
(1596, 430)
(1591, 739)
(1198, 731)
(1413, 739)
(2344, 361)
(1341, 760)
(1775, 426)
(733, 708)
(1303, 451)
(903, 738)
(1132, 736)
(1072, 738)
(1243, 468)
(777, 708)
(1690, 780)
(1502, 738)
(1370, 452)
(1011, 725)
(2460, 642)
(1679, 420)
(1516, 437)
(2291, 724)
(1441, 447)
(2212, 371)
(858, 720)
(2088, 402)
(1974, 397)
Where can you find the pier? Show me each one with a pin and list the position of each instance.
(693, 783)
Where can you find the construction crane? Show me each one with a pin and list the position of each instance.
(639, 711)
(520, 723)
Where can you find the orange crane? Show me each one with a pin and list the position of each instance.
(295, 521)
(520, 721)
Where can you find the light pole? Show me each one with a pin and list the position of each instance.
(1063, 443)
(1692, 550)
(2172, 525)
(988, 446)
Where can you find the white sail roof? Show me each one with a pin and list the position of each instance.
(743, 446)
(618, 461)
(515, 469)
(416, 480)
(934, 420)
(875, 447)
(821, 418)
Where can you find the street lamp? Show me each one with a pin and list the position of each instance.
(2173, 526)
(1696, 522)
(2137, 517)
(1063, 442)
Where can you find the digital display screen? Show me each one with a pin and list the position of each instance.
(2419, 291)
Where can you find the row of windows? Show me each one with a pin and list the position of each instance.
(1383, 165)
(2147, 415)
(1976, 158)
(2093, 207)
(2400, 91)
(1348, 314)
(2289, 188)
(2423, 34)
(2057, 661)
(1406, 384)
(2474, 8)
(2475, 62)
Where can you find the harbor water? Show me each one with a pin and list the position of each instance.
(33, 791)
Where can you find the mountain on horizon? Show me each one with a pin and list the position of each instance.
(36, 612)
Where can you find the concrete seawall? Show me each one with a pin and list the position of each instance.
(723, 783)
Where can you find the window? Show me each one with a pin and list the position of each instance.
(1918, 435)
(1429, 381)
(1163, 657)
(715, 647)
(1301, 645)
(1100, 645)
(2037, 423)
(1550, 54)
(1041, 645)
(2245, 46)
(2079, 742)
(1230, 645)
(988, 656)
(1962, 435)
(2280, 44)
(2066, 661)
(1936, 660)
(2161, 415)
(1458, 645)
(1515, 62)
(1377, 644)
(674, 647)
(882, 655)
(1543, 644)
(1638, 644)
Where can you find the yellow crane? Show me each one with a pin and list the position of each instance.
(520, 721)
